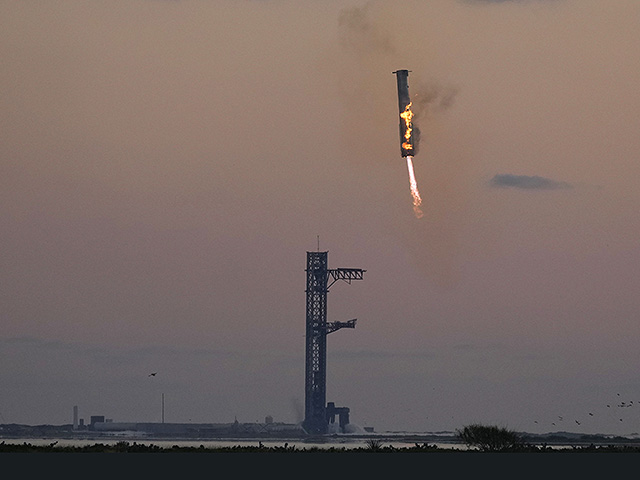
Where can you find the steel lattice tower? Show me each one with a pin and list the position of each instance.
(319, 280)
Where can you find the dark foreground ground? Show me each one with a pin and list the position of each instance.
(375, 458)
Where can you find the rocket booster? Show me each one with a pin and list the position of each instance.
(404, 107)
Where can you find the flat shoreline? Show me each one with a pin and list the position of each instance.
(57, 437)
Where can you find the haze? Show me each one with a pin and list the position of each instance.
(166, 165)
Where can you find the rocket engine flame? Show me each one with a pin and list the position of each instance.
(407, 115)
(417, 200)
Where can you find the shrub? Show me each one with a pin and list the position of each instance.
(374, 445)
(488, 438)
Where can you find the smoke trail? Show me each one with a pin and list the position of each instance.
(417, 201)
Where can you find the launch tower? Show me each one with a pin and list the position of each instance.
(317, 414)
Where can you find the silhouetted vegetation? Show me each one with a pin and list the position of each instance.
(126, 447)
(489, 438)
(374, 444)
(501, 440)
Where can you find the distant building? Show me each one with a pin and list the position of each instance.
(95, 419)
(75, 417)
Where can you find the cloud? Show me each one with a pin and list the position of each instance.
(471, 2)
(360, 34)
(526, 182)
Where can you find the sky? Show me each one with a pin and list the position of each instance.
(166, 165)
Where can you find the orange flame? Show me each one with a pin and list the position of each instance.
(417, 200)
(407, 115)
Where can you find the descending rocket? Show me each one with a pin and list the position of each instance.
(407, 146)
(404, 107)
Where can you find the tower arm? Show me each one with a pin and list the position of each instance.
(333, 326)
(346, 274)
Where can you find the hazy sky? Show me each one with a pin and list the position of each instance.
(166, 165)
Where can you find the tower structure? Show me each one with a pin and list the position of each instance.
(319, 279)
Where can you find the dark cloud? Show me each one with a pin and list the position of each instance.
(526, 182)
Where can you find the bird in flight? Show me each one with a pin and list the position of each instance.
(153, 374)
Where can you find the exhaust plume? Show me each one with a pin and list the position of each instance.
(417, 200)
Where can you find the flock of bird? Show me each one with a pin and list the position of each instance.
(619, 405)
